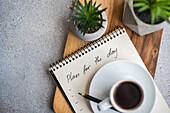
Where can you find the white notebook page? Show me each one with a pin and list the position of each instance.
(76, 76)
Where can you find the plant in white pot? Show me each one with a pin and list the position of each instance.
(88, 21)
(146, 16)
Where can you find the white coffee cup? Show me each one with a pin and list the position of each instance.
(129, 100)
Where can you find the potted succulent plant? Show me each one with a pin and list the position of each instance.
(88, 21)
(146, 16)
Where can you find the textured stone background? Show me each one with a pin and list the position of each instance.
(32, 35)
(162, 75)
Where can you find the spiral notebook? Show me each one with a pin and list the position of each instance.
(75, 72)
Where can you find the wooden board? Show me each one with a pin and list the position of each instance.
(147, 46)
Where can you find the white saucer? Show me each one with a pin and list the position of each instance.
(117, 70)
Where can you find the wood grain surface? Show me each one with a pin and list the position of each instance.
(147, 46)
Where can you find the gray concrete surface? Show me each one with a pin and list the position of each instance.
(32, 35)
(162, 75)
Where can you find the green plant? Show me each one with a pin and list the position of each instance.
(158, 8)
(87, 17)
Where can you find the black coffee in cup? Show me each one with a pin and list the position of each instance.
(128, 95)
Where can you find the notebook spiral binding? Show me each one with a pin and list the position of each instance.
(118, 30)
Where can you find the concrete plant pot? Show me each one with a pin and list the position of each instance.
(90, 36)
(135, 24)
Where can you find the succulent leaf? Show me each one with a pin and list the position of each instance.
(98, 6)
(143, 8)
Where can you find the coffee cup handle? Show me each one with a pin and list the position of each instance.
(104, 105)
